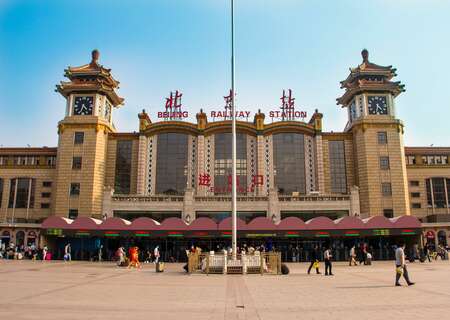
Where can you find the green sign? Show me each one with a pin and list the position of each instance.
(54, 232)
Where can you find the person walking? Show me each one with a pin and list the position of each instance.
(400, 264)
(156, 254)
(44, 253)
(120, 257)
(67, 253)
(352, 259)
(327, 258)
(426, 252)
(314, 259)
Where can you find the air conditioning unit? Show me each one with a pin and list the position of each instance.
(314, 193)
(295, 194)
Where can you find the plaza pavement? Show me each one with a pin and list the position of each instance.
(89, 290)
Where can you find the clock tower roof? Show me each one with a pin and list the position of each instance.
(91, 77)
(369, 76)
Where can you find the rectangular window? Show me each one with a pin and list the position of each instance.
(289, 163)
(45, 205)
(46, 195)
(3, 160)
(73, 213)
(382, 137)
(123, 166)
(411, 160)
(386, 189)
(76, 163)
(337, 166)
(75, 189)
(414, 183)
(415, 194)
(388, 213)
(51, 161)
(384, 163)
(46, 184)
(78, 138)
(24, 198)
(416, 205)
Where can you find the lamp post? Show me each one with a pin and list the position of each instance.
(233, 146)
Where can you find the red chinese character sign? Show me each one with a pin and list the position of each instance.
(204, 180)
(173, 108)
(287, 110)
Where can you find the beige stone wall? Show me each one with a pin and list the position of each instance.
(35, 213)
(92, 174)
(371, 177)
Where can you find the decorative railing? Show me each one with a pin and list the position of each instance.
(314, 198)
(138, 198)
(228, 199)
(164, 198)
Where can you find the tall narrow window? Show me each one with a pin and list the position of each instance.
(171, 163)
(75, 189)
(338, 175)
(21, 193)
(78, 138)
(384, 163)
(76, 163)
(289, 163)
(223, 162)
(386, 189)
(382, 137)
(123, 166)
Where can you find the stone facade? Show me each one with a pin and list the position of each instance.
(372, 135)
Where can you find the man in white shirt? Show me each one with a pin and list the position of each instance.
(327, 258)
(400, 263)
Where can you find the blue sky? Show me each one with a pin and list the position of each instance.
(157, 46)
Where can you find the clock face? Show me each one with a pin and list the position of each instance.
(377, 105)
(107, 110)
(83, 105)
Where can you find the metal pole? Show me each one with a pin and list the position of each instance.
(233, 130)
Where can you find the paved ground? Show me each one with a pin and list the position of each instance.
(86, 290)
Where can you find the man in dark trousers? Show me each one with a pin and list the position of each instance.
(314, 259)
(327, 258)
(400, 264)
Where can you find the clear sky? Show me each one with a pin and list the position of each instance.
(156, 46)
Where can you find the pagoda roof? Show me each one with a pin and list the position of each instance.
(369, 76)
(89, 78)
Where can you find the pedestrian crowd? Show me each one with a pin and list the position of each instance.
(12, 251)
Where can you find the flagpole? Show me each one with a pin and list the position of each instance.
(233, 130)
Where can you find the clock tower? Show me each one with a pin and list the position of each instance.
(83, 135)
(380, 167)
